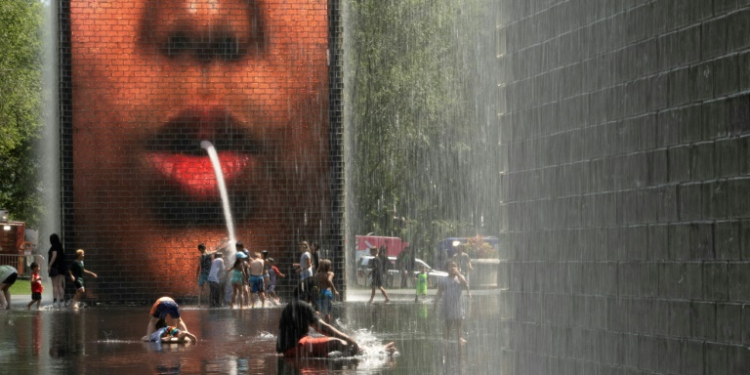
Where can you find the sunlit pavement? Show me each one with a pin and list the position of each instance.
(401, 295)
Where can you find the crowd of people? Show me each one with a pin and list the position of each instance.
(252, 277)
(58, 270)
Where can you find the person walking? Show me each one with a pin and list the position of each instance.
(76, 271)
(377, 275)
(36, 287)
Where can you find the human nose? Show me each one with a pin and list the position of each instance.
(203, 30)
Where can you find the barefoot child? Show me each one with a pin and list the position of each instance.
(450, 288)
(421, 284)
(238, 275)
(324, 278)
(273, 274)
(376, 274)
(257, 268)
(76, 271)
(36, 287)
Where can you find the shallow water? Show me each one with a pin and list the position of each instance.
(105, 340)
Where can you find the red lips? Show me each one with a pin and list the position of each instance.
(195, 174)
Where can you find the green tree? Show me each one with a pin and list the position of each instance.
(20, 107)
(421, 87)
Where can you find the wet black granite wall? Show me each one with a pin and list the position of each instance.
(625, 178)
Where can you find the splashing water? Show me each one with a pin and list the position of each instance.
(209, 147)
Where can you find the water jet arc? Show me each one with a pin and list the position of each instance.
(209, 147)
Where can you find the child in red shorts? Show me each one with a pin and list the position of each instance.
(36, 287)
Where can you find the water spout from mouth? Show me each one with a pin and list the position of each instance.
(209, 147)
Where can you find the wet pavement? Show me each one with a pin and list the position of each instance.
(105, 340)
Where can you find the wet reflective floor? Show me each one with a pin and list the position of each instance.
(105, 340)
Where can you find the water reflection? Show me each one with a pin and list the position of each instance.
(106, 341)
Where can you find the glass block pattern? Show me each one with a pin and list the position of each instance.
(144, 82)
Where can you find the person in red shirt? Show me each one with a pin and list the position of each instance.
(36, 287)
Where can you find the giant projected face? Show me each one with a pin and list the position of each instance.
(151, 80)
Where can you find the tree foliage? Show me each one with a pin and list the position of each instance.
(20, 107)
(421, 89)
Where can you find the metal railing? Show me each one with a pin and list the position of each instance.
(22, 263)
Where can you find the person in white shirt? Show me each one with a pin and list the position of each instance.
(215, 277)
(304, 267)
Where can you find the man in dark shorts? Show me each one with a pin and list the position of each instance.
(164, 307)
(8, 276)
(377, 275)
(294, 341)
(76, 271)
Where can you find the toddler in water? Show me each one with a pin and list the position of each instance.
(324, 279)
(421, 277)
(36, 287)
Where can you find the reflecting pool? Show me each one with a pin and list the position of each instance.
(105, 340)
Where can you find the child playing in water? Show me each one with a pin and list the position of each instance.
(203, 269)
(36, 287)
(171, 335)
(162, 309)
(76, 271)
(257, 268)
(295, 322)
(451, 288)
(273, 273)
(238, 275)
(324, 279)
(421, 284)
